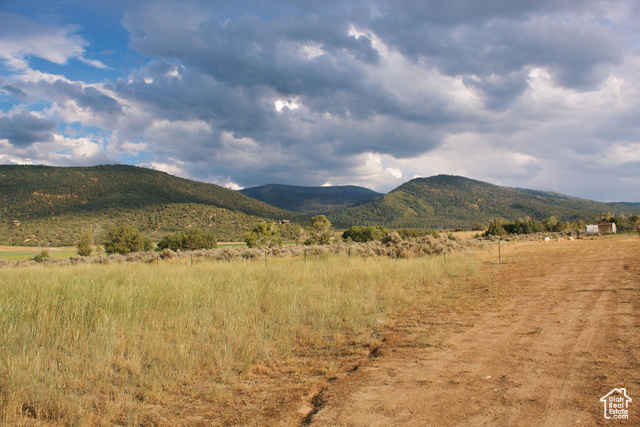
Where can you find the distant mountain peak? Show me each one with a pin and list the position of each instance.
(311, 200)
(452, 201)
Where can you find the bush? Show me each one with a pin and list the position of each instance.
(85, 244)
(172, 242)
(41, 256)
(190, 240)
(496, 228)
(392, 238)
(364, 234)
(407, 233)
(124, 240)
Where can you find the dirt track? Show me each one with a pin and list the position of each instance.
(559, 329)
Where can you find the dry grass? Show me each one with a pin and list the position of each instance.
(100, 344)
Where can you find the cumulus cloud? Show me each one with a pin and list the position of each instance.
(368, 92)
(21, 38)
(24, 128)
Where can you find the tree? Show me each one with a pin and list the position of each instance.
(263, 234)
(364, 234)
(171, 241)
(550, 223)
(320, 227)
(300, 234)
(496, 228)
(190, 240)
(85, 244)
(198, 239)
(123, 240)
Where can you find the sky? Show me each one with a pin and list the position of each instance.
(533, 94)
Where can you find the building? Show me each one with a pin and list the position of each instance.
(607, 228)
(592, 229)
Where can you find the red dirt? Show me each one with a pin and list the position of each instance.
(557, 329)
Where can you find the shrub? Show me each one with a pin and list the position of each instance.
(365, 234)
(124, 240)
(406, 233)
(167, 254)
(85, 245)
(496, 228)
(198, 239)
(392, 238)
(190, 240)
(41, 256)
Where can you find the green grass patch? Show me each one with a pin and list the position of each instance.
(19, 253)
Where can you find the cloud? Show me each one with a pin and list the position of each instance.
(24, 128)
(367, 92)
(21, 38)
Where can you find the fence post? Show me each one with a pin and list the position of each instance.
(499, 253)
(444, 252)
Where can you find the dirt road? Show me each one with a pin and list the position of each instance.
(559, 329)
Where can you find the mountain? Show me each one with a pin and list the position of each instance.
(311, 200)
(446, 201)
(632, 204)
(53, 204)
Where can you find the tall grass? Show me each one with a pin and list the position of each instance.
(94, 344)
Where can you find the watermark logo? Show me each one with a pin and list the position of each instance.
(616, 404)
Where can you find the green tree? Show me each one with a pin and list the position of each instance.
(496, 228)
(123, 240)
(85, 244)
(190, 240)
(263, 234)
(171, 241)
(364, 234)
(320, 234)
(198, 239)
(550, 224)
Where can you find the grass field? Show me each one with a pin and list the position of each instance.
(14, 253)
(110, 344)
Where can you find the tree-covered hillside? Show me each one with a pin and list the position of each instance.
(42, 191)
(311, 200)
(446, 201)
(632, 204)
(51, 205)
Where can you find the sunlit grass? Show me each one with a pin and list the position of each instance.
(15, 253)
(84, 344)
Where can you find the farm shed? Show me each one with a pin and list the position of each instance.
(607, 228)
(592, 229)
